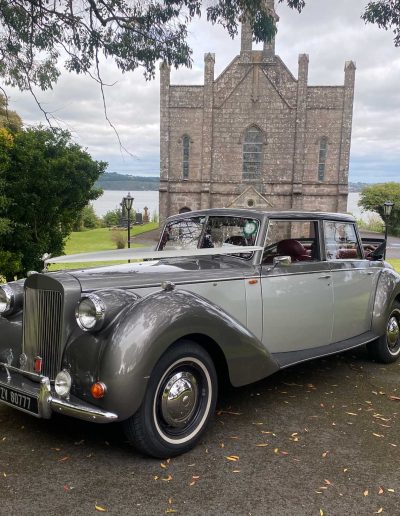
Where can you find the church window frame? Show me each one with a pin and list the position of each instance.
(322, 155)
(185, 156)
(253, 141)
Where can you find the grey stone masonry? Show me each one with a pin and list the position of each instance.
(255, 136)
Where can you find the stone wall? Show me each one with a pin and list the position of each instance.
(256, 89)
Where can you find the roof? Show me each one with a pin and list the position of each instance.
(271, 214)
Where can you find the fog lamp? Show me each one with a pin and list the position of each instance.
(98, 390)
(62, 384)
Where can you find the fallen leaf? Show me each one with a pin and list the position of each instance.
(366, 492)
(236, 471)
(325, 454)
(380, 491)
(192, 483)
(262, 445)
(100, 508)
(378, 435)
(351, 414)
(321, 512)
(170, 501)
(328, 482)
(233, 458)
(169, 510)
(195, 477)
(63, 459)
(163, 465)
(394, 398)
(167, 479)
(391, 490)
(379, 511)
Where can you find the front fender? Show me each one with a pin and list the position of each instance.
(148, 328)
(387, 290)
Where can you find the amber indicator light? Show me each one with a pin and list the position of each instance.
(98, 390)
(253, 281)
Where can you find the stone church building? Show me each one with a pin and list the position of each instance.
(256, 136)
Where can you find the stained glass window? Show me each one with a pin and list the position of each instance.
(252, 153)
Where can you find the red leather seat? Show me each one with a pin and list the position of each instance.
(294, 249)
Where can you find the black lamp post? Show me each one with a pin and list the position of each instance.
(387, 210)
(128, 202)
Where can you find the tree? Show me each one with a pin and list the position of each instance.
(112, 218)
(36, 35)
(48, 180)
(87, 219)
(9, 119)
(372, 199)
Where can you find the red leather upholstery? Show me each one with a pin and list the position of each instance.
(347, 254)
(294, 249)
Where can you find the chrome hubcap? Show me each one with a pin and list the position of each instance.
(393, 332)
(179, 399)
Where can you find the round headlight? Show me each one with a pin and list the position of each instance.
(62, 384)
(90, 313)
(6, 299)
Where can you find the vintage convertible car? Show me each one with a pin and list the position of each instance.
(227, 293)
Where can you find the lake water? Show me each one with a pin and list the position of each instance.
(111, 199)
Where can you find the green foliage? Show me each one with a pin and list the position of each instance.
(9, 119)
(372, 198)
(112, 218)
(386, 14)
(373, 223)
(47, 181)
(87, 219)
(37, 35)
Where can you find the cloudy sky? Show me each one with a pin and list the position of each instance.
(330, 31)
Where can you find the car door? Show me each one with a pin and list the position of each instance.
(298, 298)
(353, 279)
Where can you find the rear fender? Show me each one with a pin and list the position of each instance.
(388, 289)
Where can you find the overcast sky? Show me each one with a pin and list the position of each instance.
(330, 31)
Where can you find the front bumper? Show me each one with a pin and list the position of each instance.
(18, 384)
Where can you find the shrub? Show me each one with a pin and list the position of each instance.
(112, 218)
(119, 239)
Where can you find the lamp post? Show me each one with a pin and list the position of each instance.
(128, 202)
(387, 210)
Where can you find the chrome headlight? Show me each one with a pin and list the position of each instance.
(7, 299)
(90, 313)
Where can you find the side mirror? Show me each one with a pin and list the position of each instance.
(282, 261)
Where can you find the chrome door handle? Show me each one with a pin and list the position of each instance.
(369, 273)
(325, 277)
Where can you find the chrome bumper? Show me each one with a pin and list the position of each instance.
(37, 386)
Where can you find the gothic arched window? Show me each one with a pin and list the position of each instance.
(185, 156)
(323, 149)
(252, 153)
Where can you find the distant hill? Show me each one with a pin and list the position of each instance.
(114, 181)
(357, 187)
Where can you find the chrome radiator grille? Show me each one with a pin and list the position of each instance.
(43, 329)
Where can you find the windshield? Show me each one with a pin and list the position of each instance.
(209, 232)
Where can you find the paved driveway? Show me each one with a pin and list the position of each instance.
(319, 438)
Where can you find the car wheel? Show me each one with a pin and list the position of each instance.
(387, 348)
(180, 398)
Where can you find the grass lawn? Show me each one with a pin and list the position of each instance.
(100, 239)
(395, 264)
(97, 240)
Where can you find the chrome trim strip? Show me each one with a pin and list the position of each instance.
(177, 283)
(81, 411)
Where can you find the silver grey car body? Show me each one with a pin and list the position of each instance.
(251, 314)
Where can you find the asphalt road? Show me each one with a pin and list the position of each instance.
(317, 439)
